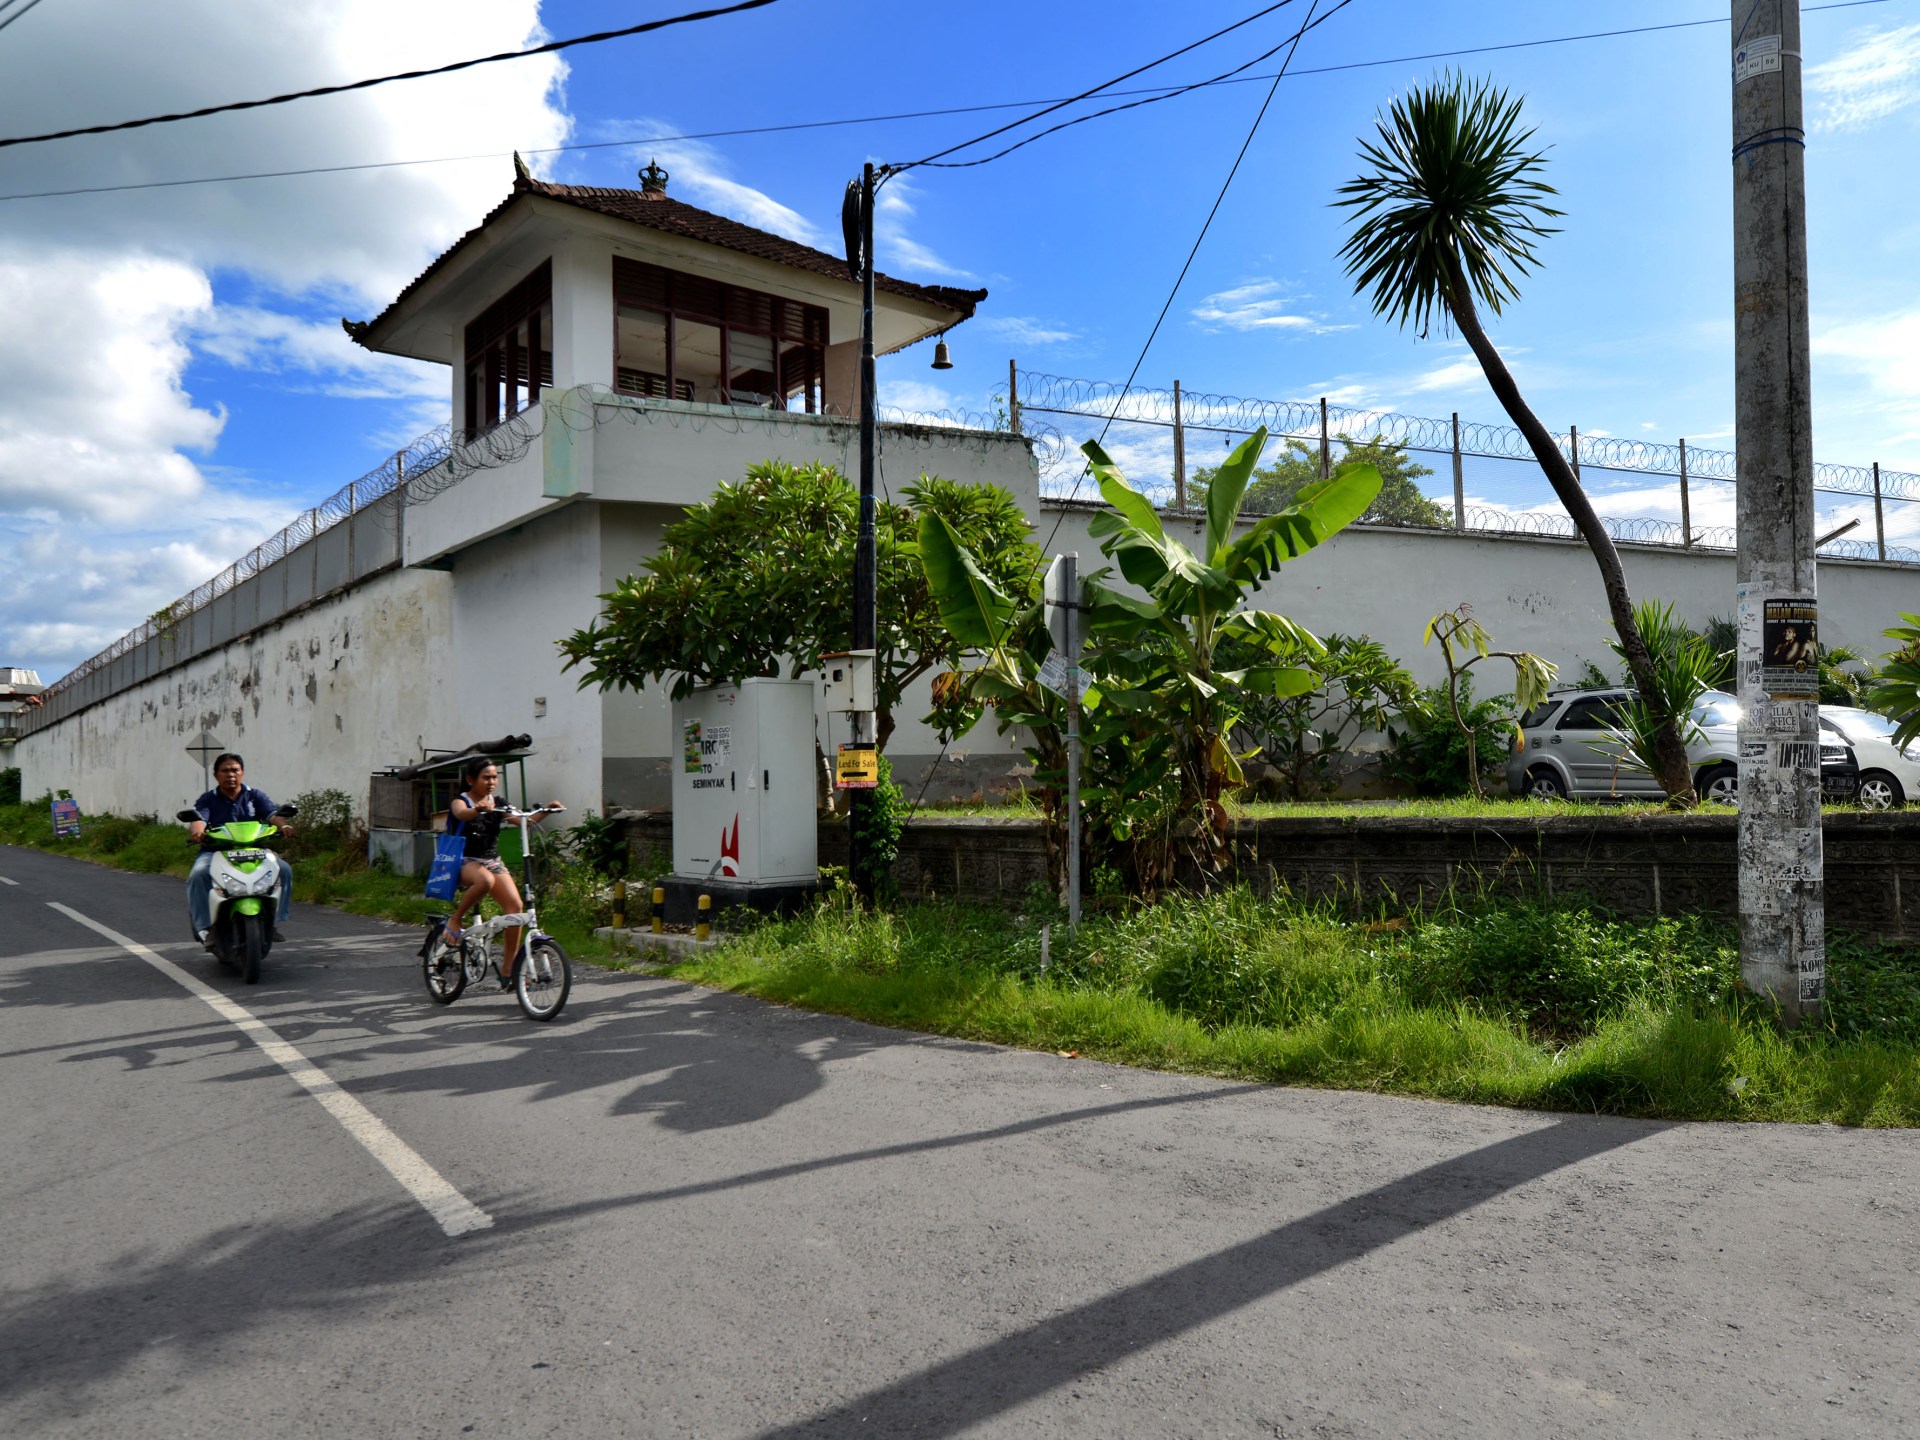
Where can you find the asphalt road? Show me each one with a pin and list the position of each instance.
(706, 1216)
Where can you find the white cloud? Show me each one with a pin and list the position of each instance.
(1025, 330)
(1877, 76)
(1258, 305)
(1877, 362)
(899, 253)
(111, 500)
(1453, 375)
(95, 416)
(699, 171)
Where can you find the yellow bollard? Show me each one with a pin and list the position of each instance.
(703, 930)
(659, 908)
(619, 904)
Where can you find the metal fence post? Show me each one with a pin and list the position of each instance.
(1326, 453)
(1686, 512)
(1459, 479)
(1573, 448)
(1879, 521)
(1013, 395)
(1179, 453)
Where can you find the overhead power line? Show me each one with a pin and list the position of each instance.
(795, 126)
(1198, 240)
(546, 49)
(6, 20)
(1174, 94)
(1105, 84)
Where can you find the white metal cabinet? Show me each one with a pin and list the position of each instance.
(743, 784)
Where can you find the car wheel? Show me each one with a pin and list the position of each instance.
(1720, 783)
(1544, 783)
(1880, 791)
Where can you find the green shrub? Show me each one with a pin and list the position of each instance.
(1430, 754)
(1562, 968)
(324, 826)
(600, 843)
(1873, 990)
(111, 833)
(879, 821)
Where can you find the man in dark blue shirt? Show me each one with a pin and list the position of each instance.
(230, 799)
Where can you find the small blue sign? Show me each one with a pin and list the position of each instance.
(66, 817)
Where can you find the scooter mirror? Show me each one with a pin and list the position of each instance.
(290, 811)
(188, 815)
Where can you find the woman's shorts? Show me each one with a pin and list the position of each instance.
(496, 866)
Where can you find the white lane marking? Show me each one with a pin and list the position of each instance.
(456, 1214)
(5, 881)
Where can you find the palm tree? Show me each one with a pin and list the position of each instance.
(1447, 214)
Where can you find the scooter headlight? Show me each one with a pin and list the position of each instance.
(263, 879)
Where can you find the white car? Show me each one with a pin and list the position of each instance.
(1888, 777)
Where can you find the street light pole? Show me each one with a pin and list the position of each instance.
(1782, 908)
(865, 597)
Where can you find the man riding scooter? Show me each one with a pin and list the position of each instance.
(231, 799)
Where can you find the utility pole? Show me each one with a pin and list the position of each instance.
(866, 623)
(1782, 903)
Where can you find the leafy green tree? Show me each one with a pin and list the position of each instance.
(1362, 688)
(761, 575)
(1275, 485)
(1444, 220)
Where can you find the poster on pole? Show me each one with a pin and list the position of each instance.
(1790, 646)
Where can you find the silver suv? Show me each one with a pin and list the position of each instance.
(1568, 748)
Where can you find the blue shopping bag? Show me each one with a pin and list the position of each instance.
(443, 880)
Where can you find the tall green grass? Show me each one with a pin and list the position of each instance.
(1540, 1004)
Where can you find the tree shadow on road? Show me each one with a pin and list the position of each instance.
(975, 1388)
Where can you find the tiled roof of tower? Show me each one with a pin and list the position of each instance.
(658, 211)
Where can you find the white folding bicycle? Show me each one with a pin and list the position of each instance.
(542, 979)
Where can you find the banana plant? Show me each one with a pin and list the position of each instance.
(1156, 698)
(1194, 601)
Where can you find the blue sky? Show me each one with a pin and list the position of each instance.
(181, 387)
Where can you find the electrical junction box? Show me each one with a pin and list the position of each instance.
(744, 786)
(846, 682)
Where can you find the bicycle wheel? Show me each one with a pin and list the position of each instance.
(543, 979)
(446, 977)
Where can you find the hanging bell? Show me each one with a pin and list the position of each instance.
(942, 360)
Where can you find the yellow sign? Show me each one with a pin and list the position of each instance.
(857, 768)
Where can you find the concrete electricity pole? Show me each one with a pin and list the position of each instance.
(1782, 907)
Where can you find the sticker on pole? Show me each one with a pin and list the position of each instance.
(857, 767)
(1790, 646)
(1759, 56)
(1057, 676)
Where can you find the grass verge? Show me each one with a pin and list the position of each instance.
(1544, 1004)
(1540, 1005)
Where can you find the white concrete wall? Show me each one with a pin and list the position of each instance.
(513, 597)
(1531, 594)
(316, 701)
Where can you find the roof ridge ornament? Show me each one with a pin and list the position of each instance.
(520, 170)
(653, 180)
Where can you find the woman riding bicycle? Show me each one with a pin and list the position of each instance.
(477, 815)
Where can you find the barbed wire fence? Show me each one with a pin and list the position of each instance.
(438, 460)
(1487, 464)
(1496, 484)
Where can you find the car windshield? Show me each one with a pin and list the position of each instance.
(1860, 724)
